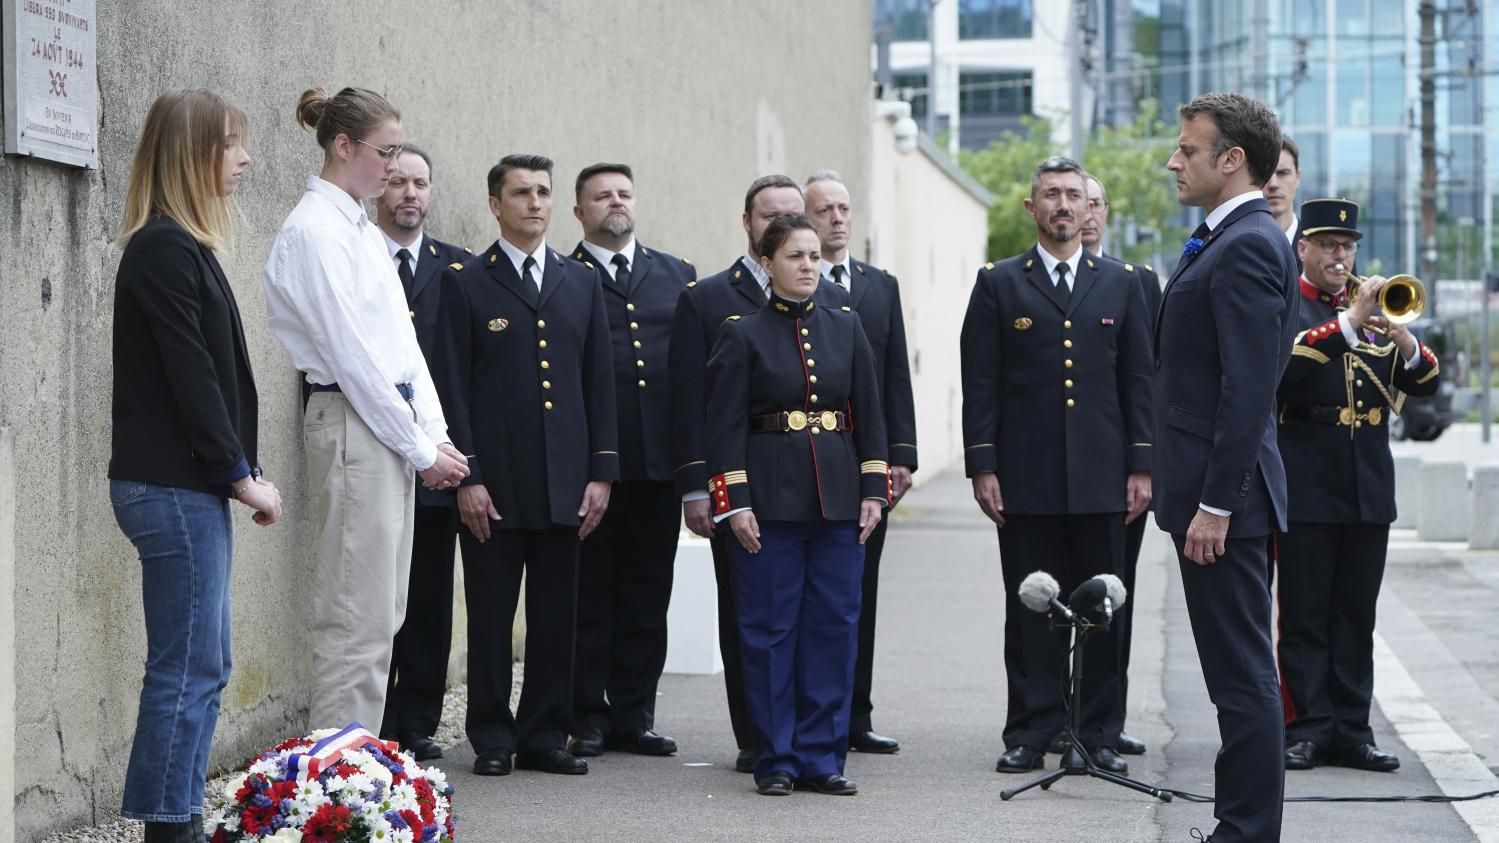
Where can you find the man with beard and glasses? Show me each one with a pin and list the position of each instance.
(625, 572)
(740, 290)
(419, 660)
(1057, 433)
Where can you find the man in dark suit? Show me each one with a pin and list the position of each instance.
(1095, 224)
(1222, 340)
(1336, 397)
(1056, 431)
(419, 657)
(702, 307)
(525, 370)
(875, 296)
(1280, 192)
(624, 583)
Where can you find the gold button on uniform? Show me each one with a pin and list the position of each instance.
(637, 343)
(1358, 383)
(642, 384)
(640, 364)
(1360, 403)
(813, 398)
(1066, 343)
(804, 332)
(1071, 402)
(1067, 383)
(547, 405)
(1066, 323)
(811, 362)
(413, 314)
(634, 326)
(542, 344)
(1067, 363)
(545, 365)
(630, 306)
(546, 384)
(816, 430)
(541, 323)
(812, 378)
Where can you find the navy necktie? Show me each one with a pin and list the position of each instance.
(621, 271)
(404, 270)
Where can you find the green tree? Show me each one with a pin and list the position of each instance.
(1004, 168)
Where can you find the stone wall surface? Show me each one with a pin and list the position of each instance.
(699, 97)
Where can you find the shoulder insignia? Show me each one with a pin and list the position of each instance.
(431, 248)
(692, 283)
(645, 251)
(736, 273)
(861, 269)
(493, 258)
(588, 264)
(847, 309)
(558, 258)
(1129, 267)
(1090, 263)
(991, 265)
(467, 249)
(686, 261)
(579, 255)
(1148, 267)
(733, 318)
(455, 265)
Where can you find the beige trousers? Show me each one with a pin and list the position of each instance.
(365, 495)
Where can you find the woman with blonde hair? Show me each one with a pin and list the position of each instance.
(338, 307)
(183, 423)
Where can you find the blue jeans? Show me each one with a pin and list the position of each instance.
(185, 540)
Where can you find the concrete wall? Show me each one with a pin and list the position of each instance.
(700, 98)
(928, 224)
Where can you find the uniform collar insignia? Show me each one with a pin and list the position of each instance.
(792, 309)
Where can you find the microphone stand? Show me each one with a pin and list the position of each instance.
(1081, 628)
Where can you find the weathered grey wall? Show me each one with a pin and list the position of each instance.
(700, 97)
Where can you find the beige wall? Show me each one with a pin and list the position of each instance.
(928, 225)
(699, 97)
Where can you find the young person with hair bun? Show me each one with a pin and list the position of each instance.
(336, 304)
(183, 426)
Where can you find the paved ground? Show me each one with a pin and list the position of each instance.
(939, 689)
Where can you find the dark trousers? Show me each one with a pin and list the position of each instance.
(492, 577)
(1071, 548)
(728, 634)
(874, 548)
(799, 628)
(419, 656)
(624, 587)
(1329, 578)
(1124, 619)
(1229, 605)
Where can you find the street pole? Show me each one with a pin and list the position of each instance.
(1484, 368)
(931, 79)
(1428, 41)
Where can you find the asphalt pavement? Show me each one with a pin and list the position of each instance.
(939, 689)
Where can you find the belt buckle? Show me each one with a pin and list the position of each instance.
(1347, 416)
(796, 420)
(829, 420)
(1376, 415)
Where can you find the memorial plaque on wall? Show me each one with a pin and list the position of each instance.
(51, 80)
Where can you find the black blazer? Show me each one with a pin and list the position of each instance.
(1150, 287)
(640, 327)
(701, 309)
(1056, 401)
(525, 380)
(795, 356)
(426, 295)
(184, 409)
(1338, 473)
(1222, 341)
(875, 296)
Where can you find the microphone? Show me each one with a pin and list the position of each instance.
(1088, 595)
(1115, 587)
(1038, 592)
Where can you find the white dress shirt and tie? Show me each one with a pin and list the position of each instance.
(335, 302)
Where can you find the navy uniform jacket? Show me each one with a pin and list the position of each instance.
(1150, 286)
(795, 356)
(1222, 341)
(875, 296)
(701, 309)
(1056, 402)
(1334, 434)
(526, 383)
(640, 328)
(426, 295)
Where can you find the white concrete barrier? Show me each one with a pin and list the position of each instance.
(692, 619)
(1407, 491)
(1444, 508)
(1483, 533)
(7, 635)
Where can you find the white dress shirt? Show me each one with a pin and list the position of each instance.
(1292, 229)
(336, 305)
(606, 257)
(759, 272)
(848, 272)
(518, 260)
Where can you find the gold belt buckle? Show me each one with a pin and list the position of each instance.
(1347, 416)
(829, 420)
(1376, 415)
(796, 420)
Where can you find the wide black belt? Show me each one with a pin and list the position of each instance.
(405, 389)
(798, 420)
(1345, 416)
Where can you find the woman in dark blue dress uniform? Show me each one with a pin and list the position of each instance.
(799, 473)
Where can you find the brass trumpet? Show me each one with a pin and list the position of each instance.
(1402, 300)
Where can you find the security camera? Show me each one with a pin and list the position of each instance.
(906, 132)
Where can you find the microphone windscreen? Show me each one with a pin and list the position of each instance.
(1037, 591)
(1115, 587)
(1088, 595)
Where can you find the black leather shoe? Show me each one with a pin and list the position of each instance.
(1367, 756)
(1073, 760)
(868, 741)
(745, 763)
(775, 784)
(1130, 745)
(421, 747)
(1106, 759)
(493, 762)
(832, 784)
(643, 742)
(170, 833)
(1058, 744)
(1021, 759)
(554, 760)
(1303, 755)
(588, 743)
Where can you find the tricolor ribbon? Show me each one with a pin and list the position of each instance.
(330, 750)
